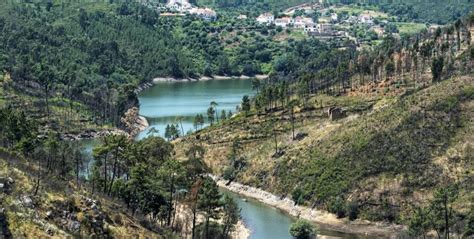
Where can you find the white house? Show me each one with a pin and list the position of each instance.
(283, 22)
(366, 19)
(179, 5)
(266, 18)
(334, 17)
(204, 13)
(310, 27)
(242, 17)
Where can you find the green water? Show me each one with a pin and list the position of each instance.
(162, 103)
(268, 222)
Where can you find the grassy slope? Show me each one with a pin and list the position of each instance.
(32, 223)
(394, 149)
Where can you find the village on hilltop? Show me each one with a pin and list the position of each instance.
(339, 22)
(334, 22)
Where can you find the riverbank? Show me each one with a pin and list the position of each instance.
(240, 232)
(323, 219)
(204, 78)
(92, 134)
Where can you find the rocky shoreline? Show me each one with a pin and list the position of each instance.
(205, 78)
(322, 218)
(241, 231)
(92, 134)
(138, 125)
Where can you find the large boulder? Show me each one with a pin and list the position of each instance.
(27, 201)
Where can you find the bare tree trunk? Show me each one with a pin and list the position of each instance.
(194, 222)
(114, 170)
(105, 173)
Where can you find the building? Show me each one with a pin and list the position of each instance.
(242, 17)
(334, 17)
(266, 18)
(283, 22)
(300, 22)
(179, 5)
(310, 27)
(366, 19)
(204, 13)
(324, 28)
(323, 31)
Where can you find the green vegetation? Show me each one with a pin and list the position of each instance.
(438, 11)
(392, 143)
(99, 54)
(144, 175)
(302, 229)
(408, 28)
(360, 132)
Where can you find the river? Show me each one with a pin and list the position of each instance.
(268, 222)
(162, 103)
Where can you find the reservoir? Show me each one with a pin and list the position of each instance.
(163, 103)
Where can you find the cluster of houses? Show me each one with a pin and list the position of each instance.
(184, 7)
(306, 23)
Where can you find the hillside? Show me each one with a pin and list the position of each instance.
(436, 11)
(61, 209)
(403, 141)
(388, 154)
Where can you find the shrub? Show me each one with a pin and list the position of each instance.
(297, 196)
(353, 210)
(338, 207)
(229, 173)
(302, 229)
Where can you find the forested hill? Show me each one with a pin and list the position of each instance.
(434, 11)
(97, 53)
(385, 135)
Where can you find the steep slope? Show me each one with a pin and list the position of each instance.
(60, 209)
(388, 154)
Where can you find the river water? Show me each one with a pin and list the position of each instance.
(162, 103)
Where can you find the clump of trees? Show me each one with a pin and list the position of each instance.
(302, 229)
(143, 174)
(438, 215)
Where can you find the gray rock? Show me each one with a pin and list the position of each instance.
(49, 214)
(26, 201)
(74, 226)
(50, 231)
